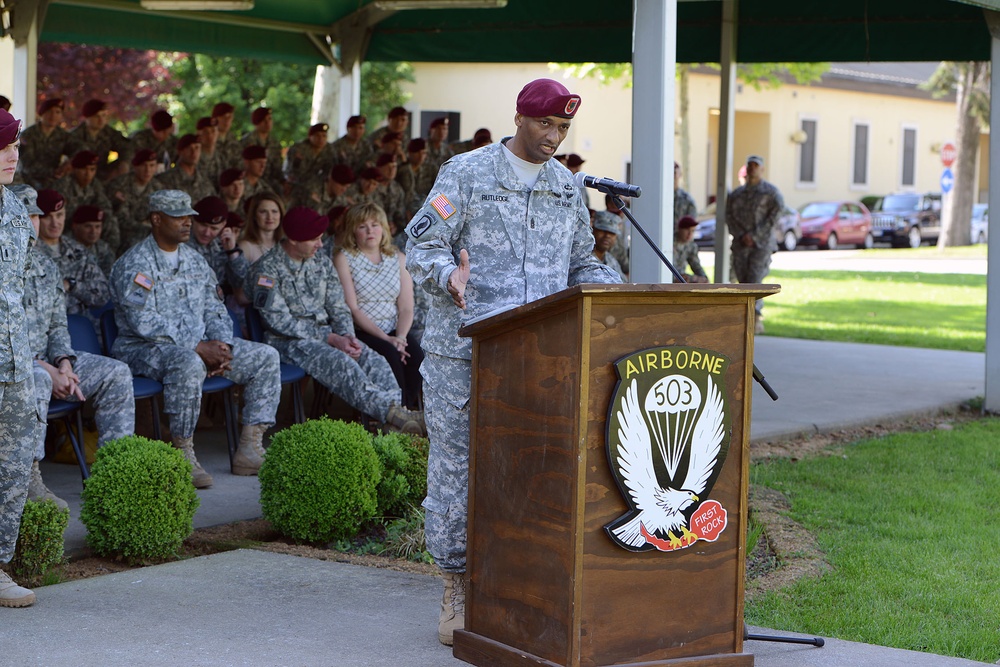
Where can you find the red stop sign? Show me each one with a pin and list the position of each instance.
(948, 154)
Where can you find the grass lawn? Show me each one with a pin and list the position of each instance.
(910, 524)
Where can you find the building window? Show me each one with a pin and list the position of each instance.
(909, 157)
(859, 174)
(807, 153)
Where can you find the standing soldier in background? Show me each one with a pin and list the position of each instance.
(683, 202)
(43, 144)
(129, 195)
(352, 149)
(752, 212)
(95, 135)
(17, 387)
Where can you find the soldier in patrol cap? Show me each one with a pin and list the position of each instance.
(17, 402)
(42, 145)
(301, 302)
(95, 135)
(502, 226)
(60, 371)
(309, 161)
(605, 237)
(173, 327)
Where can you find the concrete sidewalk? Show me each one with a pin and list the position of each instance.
(256, 608)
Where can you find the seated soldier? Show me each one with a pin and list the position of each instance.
(334, 191)
(88, 221)
(215, 241)
(309, 161)
(365, 189)
(211, 155)
(686, 251)
(254, 167)
(301, 302)
(59, 371)
(85, 284)
(129, 194)
(390, 195)
(232, 188)
(353, 149)
(173, 327)
(81, 186)
(159, 137)
(187, 175)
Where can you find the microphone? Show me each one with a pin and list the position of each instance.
(606, 185)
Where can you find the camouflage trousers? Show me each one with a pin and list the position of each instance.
(182, 372)
(106, 383)
(447, 386)
(751, 265)
(367, 385)
(19, 420)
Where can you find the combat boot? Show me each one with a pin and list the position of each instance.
(201, 479)
(38, 491)
(250, 453)
(406, 421)
(12, 595)
(452, 607)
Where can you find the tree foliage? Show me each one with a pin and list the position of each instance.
(380, 89)
(131, 81)
(755, 75)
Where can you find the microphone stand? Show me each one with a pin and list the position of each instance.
(757, 375)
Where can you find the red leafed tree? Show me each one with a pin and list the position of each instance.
(130, 81)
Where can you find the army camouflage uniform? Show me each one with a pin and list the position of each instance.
(374, 137)
(416, 185)
(357, 157)
(75, 261)
(619, 250)
(392, 199)
(163, 314)
(321, 201)
(301, 303)
(211, 166)
(683, 205)
(106, 140)
(273, 173)
(612, 263)
(95, 195)
(165, 150)
(523, 244)
(228, 152)
(105, 381)
(687, 254)
(251, 189)
(435, 158)
(197, 184)
(230, 270)
(753, 209)
(307, 169)
(18, 413)
(131, 208)
(41, 155)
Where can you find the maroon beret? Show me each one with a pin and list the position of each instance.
(87, 213)
(259, 114)
(143, 155)
(254, 152)
(50, 201)
(686, 222)
(207, 121)
(92, 107)
(161, 120)
(397, 111)
(384, 159)
(372, 174)
(229, 176)
(545, 97)
(574, 160)
(187, 140)
(343, 174)
(211, 211)
(336, 212)
(222, 108)
(84, 159)
(356, 120)
(304, 224)
(10, 127)
(440, 120)
(51, 103)
(234, 220)
(318, 127)
(416, 145)
(392, 136)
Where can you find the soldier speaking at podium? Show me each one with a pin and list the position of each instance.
(504, 225)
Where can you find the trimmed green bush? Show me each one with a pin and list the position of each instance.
(139, 502)
(39, 542)
(404, 472)
(318, 480)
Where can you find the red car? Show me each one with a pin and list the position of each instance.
(831, 224)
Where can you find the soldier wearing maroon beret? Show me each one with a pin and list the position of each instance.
(255, 168)
(352, 149)
(94, 134)
(211, 163)
(228, 144)
(309, 161)
(398, 121)
(43, 144)
(504, 225)
(159, 137)
(81, 186)
(187, 175)
(129, 195)
(261, 135)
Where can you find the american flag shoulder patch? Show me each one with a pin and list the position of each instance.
(264, 281)
(142, 280)
(443, 207)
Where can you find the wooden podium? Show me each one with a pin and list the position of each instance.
(546, 584)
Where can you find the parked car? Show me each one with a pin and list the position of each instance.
(907, 219)
(980, 223)
(831, 224)
(786, 233)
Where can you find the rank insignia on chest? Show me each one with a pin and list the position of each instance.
(443, 207)
(142, 280)
(264, 281)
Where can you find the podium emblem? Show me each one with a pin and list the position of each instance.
(668, 433)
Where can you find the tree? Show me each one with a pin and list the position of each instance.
(131, 81)
(380, 89)
(970, 82)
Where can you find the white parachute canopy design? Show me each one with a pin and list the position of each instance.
(671, 406)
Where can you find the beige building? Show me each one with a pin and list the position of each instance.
(865, 129)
